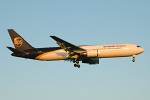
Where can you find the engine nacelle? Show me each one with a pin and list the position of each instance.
(91, 61)
(92, 53)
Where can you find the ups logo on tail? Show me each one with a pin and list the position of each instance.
(18, 42)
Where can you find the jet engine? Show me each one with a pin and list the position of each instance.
(91, 61)
(91, 53)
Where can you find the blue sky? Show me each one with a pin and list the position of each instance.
(80, 22)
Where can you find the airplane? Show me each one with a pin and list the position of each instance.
(89, 54)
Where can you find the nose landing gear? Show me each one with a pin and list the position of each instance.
(133, 58)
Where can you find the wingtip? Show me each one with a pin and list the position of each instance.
(7, 47)
(52, 35)
(9, 29)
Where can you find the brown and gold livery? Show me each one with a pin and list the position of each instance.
(66, 51)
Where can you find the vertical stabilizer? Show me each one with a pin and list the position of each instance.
(18, 41)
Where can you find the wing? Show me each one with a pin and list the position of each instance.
(68, 46)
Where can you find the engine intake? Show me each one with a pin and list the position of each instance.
(92, 53)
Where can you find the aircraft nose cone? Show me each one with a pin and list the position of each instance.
(142, 50)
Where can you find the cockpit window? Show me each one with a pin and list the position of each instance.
(138, 46)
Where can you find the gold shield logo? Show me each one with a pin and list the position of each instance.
(18, 41)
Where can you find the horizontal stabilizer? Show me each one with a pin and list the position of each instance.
(15, 50)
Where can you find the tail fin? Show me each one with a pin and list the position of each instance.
(19, 42)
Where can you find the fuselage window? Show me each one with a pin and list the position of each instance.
(138, 46)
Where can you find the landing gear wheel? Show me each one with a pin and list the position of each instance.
(74, 61)
(78, 66)
(75, 65)
(133, 60)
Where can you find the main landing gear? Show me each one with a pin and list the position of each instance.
(133, 58)
(77, 63)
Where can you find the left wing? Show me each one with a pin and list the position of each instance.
(68, 46)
